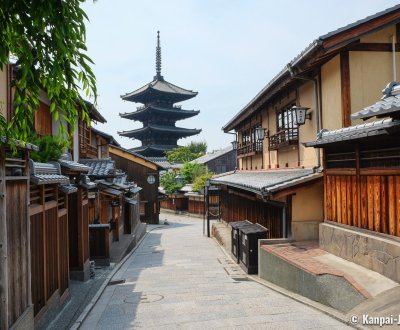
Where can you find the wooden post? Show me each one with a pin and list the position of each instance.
(3, 247)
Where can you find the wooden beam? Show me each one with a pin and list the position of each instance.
(345, 88)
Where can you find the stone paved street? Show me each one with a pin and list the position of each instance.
(179, 279)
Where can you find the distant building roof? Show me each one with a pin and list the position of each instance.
(108, 137)
(101, 167)
(266, 182)
(170, 130)
(164, 163)
(212, 155)
(94, 114)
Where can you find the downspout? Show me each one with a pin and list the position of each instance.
(316, 98)
(394, 57)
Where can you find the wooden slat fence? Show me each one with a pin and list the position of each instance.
(238, 208)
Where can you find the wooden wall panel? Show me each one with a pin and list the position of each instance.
(63, 253)
(18, 253)
(51, 251)
(37, 261)
(372, 202)
(238, 208)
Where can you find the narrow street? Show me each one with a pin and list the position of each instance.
(179, 279)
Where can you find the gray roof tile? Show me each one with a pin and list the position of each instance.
(101, 167)
(46, 173)
(266, 182)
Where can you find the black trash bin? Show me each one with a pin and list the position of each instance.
(249, 236)
(235, 245)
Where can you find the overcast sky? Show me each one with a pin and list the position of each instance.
(226, 50)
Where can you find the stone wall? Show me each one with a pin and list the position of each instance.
(378, 252)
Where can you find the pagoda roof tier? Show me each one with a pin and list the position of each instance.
(154, 147)
(159, 89)
(160, 130)
(174, 112)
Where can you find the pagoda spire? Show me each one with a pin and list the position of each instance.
(158, 59)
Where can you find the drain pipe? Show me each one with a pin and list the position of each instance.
(394, 57)
(316, 98)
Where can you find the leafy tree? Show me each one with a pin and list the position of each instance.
(47, 40)
(190, 171)
(168, 182)
(200, 182)
(186, 154)
(50, 148)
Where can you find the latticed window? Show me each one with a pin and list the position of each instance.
(286, 118)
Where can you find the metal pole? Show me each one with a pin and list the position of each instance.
(208, 213)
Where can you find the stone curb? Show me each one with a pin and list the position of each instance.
(77, 324)
(322, 308)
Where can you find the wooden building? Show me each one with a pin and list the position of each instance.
(48, 211)
(16, 309)
(145, 174)
(159, 114)
(362, 187)
(219, 161)
(279, 181)
(78, 219)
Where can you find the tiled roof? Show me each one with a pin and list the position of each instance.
(46, 173)
(160, 129)
(68, 189)
(388, 105)
(266, 182)
(111, 191)
(108, 137)
(67, 162)
(212, 155)
(164, 163)
(18, 143)
(176, 112)
(100, 167)
(161, 86)
(379, 127)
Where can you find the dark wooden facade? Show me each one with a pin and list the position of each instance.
(78, 233)
(362, 185)
(49, 247)
(237, 206)
(139, 170)
(175, 203)
(15, 247)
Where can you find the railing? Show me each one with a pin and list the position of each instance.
(250, 148)
(283, 138)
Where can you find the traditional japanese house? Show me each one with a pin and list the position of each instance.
(219, 161)
(145, 174)
(279, 183)
(362, 187)
(103, 229)
(78, 219)
(159, 114)
(48, 211)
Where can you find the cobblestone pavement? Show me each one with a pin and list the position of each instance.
(179, 279)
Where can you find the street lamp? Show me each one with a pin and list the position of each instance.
(261, 133)
(234, 145)
(179, 179)
(301, 114)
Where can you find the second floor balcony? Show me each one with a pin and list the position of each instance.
(249, 148)
(283, 138)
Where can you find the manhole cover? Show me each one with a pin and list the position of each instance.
(137, 298)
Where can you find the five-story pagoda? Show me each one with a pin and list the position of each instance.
(159, 114)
